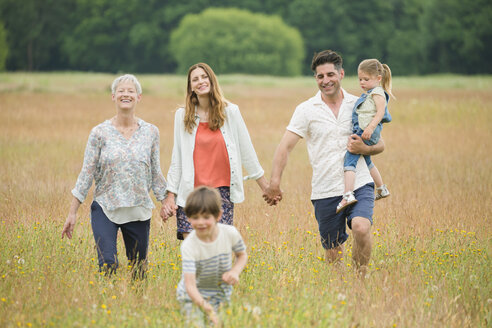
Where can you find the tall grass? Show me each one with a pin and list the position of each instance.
(430, 264)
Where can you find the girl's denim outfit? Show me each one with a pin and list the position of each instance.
(351, 159)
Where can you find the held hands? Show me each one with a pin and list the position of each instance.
(272, 194)
(169, 207)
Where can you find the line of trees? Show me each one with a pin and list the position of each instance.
(412, 36)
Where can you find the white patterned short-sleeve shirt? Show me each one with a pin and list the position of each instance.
(326, 138)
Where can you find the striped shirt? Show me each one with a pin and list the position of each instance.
(208, 261)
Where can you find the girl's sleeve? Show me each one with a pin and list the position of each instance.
(158, 182)
(91, 160)
(174, 173)
(249, 159)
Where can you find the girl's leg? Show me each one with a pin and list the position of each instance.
(349, 177)
(378, 180)
(105, 233)
(373, 171)
(348, 194)
(381, 189)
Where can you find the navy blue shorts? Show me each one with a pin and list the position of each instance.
(332, 226)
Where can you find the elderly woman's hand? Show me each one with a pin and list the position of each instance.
(169, 207)
(69, 225)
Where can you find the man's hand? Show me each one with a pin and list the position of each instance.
(355, 145)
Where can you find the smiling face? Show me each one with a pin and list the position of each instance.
(205, 226)
(125, 95)
(199, 82)
(329, 80)
(368, 81)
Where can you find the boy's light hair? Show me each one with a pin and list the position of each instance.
(203, 200)
(127, 77)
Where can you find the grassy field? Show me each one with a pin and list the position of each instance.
(431, 262)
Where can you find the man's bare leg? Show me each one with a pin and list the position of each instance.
(361, 251)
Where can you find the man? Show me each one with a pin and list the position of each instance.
(325, 121)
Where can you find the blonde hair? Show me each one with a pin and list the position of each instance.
(216, 116)
(123, 78)
(203, 200)
(374, 68)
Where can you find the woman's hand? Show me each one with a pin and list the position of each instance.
(69, 225)
(169, 207)
(71, 218)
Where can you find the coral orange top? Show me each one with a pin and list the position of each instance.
(210, 158)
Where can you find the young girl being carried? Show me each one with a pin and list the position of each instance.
(370, 111)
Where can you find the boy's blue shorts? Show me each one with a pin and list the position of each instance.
(332, 226)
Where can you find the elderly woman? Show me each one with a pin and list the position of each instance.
(211, 146)
(122, 157)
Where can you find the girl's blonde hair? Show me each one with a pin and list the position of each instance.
(374, 68)
(216, 116)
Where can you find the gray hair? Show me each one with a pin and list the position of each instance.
(126, 77)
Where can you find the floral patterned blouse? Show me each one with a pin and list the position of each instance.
(124, 170)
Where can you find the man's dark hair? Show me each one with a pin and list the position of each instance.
(326, 56)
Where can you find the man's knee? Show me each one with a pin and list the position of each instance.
(361, 227)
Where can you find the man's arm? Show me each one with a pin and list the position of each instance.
(288, 142)
(355, 145)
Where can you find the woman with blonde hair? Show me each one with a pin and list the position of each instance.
(122, 158)
(211, 146)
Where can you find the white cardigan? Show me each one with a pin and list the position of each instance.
(181, 174)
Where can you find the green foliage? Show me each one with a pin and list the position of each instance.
(4, 48)
(237, 41)
(118, 35)
(412, 36)
(459, 36)
(34, 32)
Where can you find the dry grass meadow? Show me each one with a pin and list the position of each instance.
(431, 262)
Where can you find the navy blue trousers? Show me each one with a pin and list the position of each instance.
(135, 235)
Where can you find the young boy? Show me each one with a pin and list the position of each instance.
(208, 273)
